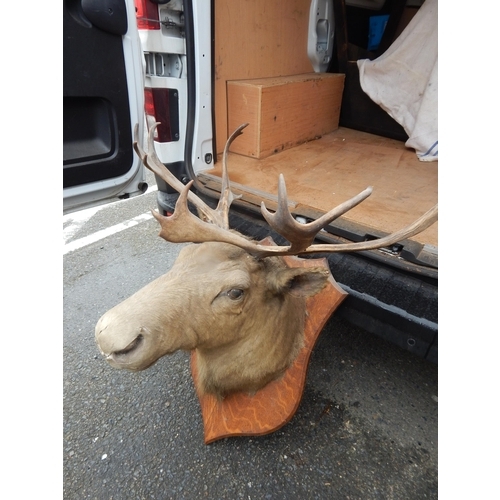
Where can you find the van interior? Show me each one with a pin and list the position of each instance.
(366, 147)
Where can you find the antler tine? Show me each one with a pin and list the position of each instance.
(153, 163)
(226, 195)
(300, 235)
(183, 226)
(422, 223)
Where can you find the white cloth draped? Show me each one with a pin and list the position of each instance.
(404, 81)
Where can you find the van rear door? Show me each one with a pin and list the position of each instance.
(103, 101)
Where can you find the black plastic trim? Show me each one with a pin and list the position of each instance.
(396, 325)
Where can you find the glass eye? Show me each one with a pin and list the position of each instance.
(235, 293)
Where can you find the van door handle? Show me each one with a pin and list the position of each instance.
(320, 35)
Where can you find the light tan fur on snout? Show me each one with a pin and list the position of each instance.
(244, 316)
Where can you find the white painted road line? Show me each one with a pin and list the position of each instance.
(74, 221)
(99, 235)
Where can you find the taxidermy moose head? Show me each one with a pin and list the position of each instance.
(232, 299)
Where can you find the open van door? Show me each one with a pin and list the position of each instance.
(103, 101)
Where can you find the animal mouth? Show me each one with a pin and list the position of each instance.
(131, 347)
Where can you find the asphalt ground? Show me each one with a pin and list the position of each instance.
(366, 427)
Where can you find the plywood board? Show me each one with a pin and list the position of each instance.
(325, 172)
(257, 39)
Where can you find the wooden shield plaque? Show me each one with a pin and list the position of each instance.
(242, 414)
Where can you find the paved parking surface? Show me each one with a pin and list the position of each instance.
(366, 427)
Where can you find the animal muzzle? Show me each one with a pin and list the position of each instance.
(124, 346)
(124, 358)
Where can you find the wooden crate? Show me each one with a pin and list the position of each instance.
(283, 112)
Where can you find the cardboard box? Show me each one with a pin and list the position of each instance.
(283, 112)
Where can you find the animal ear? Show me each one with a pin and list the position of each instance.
(299, 281)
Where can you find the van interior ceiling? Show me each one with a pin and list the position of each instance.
(268, 40)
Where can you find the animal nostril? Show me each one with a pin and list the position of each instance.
(133, 345)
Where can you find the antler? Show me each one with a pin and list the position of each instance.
(302, 235)
(219, 216)
(183, 226)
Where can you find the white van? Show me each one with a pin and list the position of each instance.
(290, 69)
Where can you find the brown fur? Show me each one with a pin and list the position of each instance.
(242, 342)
